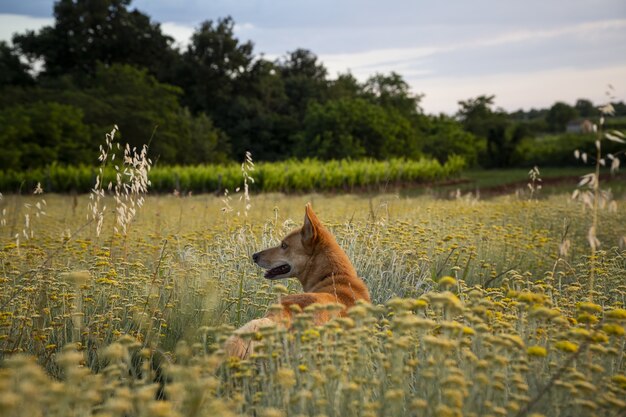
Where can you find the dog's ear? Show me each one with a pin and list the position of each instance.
(310, 229)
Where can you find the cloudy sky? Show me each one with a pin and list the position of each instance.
(528, 53)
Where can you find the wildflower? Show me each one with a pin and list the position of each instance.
(454, 397)
(439, 342)
(599, 337)
(310, 334)
(280, 289)
(530, 298)
(544, 312)
(394, 395)
(419, 304)
(468, 331)
(538, 351)
(358, 311)
(580, 333)
(617, 314)
(399, 304)
(272, 412)
(443, 410)
(77, 278)
(447, 282)
(566, 346)
(589, 307)
(613, 329)
(285, 377)
(587, 318)
(419, 404)
(446, 299)
(619, 380)
(115, 352)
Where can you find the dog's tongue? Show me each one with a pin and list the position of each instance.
(279, 270)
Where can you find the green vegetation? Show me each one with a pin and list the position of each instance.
(286, 176)
(495, 305)
(105, 64)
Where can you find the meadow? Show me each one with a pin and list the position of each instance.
(480, 307)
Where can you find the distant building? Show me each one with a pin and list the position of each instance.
(579, 126)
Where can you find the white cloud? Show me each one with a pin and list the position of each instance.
(522, 90)
(180, 33)
(583, 29)
(364, 64)
(243, 27)
(12, 23)
(404, 60)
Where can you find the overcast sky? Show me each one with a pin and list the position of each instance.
(528, 53)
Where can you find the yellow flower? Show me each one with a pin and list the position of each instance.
(619, 380)
(589, 307)
(468, 330)
(613, 329)
(566, 346)
(447, 282)
(617, 314)
(286, 377)
(539, 351)
(587, 318)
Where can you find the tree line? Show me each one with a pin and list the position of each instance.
(103, 63)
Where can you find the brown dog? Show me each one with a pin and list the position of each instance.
(312, 255)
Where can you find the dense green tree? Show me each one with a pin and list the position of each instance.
(585, 108)
(13, 72)
(345, 86)
(149, 111)
(105, 63)
(354, 128)
(559, 115)
(144, 109)
(86, 32)
(258, 119)
(445, 137)
(478, 118)
(305, 80)
(212, 65)
(392, 91)
(42, 134)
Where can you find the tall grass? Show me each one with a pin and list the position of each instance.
(488, 312)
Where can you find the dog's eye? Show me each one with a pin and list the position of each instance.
(283, 245)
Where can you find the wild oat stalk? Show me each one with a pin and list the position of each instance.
(535, 181)
(594, 197)
(131, 183)
(96, 206)
(39, 210)
(247, 166)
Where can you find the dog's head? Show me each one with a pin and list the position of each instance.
(290, 258)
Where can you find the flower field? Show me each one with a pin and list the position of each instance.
(493, 307)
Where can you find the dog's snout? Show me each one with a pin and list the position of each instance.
(255, 257)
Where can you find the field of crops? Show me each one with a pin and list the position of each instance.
(480, 307)
(285, 176)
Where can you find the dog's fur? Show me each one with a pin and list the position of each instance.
(312, 255)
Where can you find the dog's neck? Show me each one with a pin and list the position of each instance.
(328, 260)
